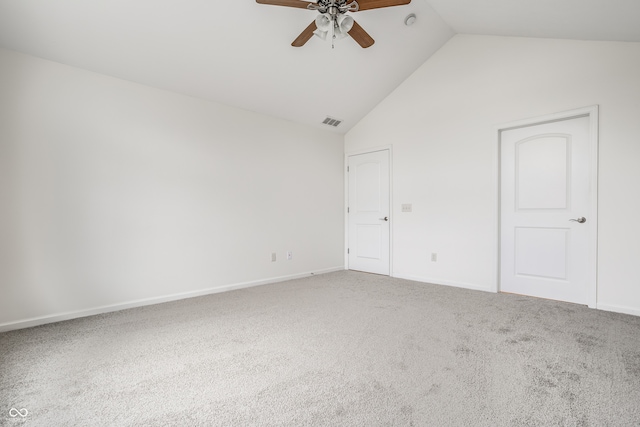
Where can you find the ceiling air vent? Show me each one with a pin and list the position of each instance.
(330, 121)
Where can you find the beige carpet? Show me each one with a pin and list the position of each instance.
(344, 348)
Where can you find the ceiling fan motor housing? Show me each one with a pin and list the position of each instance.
(334, 7)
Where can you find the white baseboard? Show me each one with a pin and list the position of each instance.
(471, 286)
(58, 317)
(619, 309)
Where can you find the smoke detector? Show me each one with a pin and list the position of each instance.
(410, 19)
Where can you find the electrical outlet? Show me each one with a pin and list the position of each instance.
(289, 255)
(434, 257)
(273, 257)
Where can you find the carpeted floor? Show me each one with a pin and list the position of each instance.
(344, 348)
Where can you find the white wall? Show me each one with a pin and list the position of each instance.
(113, 192)
(441, 122)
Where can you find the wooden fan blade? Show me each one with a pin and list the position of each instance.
(361, 36)
(288, 3)
(377, 4)
(305, 35)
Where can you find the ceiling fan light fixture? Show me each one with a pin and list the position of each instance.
(345, 23)
(323, 22)
(338, 34)
(321, 34)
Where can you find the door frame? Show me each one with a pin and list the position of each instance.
(388, 148)
(592, 113)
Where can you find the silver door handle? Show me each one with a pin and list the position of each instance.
(386, 218)
(581, 220)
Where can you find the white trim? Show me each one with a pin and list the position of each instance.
(391, 215)
(594, 129)
(42, 320)
(495, 282)
(592, 113)
(346, 200)
(563, 115)
(368, 150)
(463, 285)
(619, 309)
(346, 214)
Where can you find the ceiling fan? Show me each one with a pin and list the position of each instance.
(333, 19)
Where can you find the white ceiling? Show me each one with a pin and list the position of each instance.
(239, 53)
(613, 20)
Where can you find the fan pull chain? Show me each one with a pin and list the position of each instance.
(333, 39)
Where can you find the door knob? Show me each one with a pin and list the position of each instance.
(581, 220)
(386, 218)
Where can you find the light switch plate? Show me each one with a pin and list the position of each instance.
(406, 207)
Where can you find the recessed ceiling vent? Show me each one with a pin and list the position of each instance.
(330, 121)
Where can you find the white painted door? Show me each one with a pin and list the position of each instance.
(368, 212)
(545, 202)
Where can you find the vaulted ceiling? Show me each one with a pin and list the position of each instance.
(239, 53)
